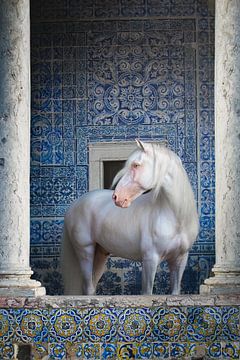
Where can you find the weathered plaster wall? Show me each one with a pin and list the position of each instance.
(112, 71)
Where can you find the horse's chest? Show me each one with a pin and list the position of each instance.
(164, 227)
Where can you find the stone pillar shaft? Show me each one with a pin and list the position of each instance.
(15, 271)
(227, 149)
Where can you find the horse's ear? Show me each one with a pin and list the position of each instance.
(140, 144)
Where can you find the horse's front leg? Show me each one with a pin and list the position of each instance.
(149, 268)
(177, 267)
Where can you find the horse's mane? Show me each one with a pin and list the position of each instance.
(158, 149)
(118, 177)
(173, 184)
(169, 176)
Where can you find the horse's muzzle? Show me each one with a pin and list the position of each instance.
(120, 203)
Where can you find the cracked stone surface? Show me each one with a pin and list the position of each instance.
(14, 145)
(227, 136)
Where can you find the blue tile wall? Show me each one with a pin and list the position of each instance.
(112, 71)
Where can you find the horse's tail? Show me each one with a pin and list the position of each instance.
(69, 266)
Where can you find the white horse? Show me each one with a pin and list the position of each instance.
(161, 224)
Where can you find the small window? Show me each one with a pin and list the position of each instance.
(105, 160)
(110, 169)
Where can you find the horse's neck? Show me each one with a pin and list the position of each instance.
(177, 191)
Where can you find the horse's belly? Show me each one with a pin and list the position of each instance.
(119, 245)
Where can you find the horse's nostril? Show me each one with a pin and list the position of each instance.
(114, 197)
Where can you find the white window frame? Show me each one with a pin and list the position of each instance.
(106, 151)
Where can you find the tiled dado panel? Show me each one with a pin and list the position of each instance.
(115, 71)
(158, 332)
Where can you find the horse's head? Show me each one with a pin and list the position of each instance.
(136, 177)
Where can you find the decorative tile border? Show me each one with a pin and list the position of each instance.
(128, 332)
(100, 325)
(169, 325)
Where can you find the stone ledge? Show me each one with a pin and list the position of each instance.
(118, 301)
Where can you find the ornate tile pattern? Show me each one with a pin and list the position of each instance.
(231, 323)
(169, 325)
(230, 350)
(204, 324)
(32, 325)
(111, 71)
(85, 332)
(65, 325)
(100, 326)
(135, 325)
(161, 350)
(6, 350)
(6, 325)
(109, 351)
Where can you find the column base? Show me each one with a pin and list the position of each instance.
(22, 292)
(226, 281)
(18, 285)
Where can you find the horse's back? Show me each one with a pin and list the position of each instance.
(82, 210)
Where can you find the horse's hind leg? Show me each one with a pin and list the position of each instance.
(85, 255)
(177, 267)
(100, 259)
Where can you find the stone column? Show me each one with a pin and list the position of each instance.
(226, 271)
(15, 150)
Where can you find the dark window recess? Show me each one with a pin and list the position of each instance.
(110, 169)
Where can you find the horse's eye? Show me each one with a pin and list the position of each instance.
(136, 165)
